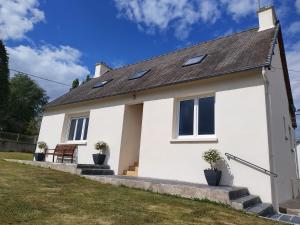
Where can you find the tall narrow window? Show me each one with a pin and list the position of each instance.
(72, 129)
(186, 117)
(78, 129)
(86, 128)
(206, 116)
(196, 117)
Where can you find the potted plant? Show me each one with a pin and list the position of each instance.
(40, 156)
(100, 157)
(212, 175)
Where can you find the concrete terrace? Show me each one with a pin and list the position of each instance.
(236, 197)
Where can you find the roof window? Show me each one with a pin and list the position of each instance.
(138, 74)
(102, 83)
(194, 60)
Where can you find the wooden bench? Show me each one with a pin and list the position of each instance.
(62, 150)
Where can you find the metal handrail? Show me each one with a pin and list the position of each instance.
(251, 164)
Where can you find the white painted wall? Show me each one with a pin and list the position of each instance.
(105, 124)
(240, 130)
(298, 157)
(51, 130)
(240, 119)
(282, 141)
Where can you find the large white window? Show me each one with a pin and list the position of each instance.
(78, 128)
(196, 117)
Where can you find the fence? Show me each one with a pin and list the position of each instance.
(9, 136)
(17, 142)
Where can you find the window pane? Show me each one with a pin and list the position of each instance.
(206, 119)
(86, 128)
(72, 129)
(186, 117)
(79, 129)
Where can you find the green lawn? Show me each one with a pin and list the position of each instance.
(16, 155)
(31, 195)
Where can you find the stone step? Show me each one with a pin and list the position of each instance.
(130, 173)
(245, 202)
(238, 193)
(96, 171)
(261, 209)
(92, 166)
(133, 168)
(290, 219)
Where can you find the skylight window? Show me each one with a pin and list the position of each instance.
(194, 60)
(102, 83)
(138, 74)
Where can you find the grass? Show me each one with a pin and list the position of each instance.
(31, 195)
(16, 155)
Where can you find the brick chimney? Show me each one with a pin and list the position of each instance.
(100, 69)
(267, 18)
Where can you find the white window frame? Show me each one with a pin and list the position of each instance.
(195, 136)
(82, 131)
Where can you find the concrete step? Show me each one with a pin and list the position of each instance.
(131, 173)
(238, 193)
(92, 166)
(96, 171)
(133, 168)
(261, 209)
(290, 219)
(245, 202)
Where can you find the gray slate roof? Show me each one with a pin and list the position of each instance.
(238, 52)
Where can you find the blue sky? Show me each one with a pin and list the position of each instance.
(62, 40)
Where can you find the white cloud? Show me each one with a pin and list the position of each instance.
(159, 15)
(152, 15)
(294, 28)
(61, 64)
(238, 8)
(209, 11)
(297, 4)
(18, 17)
(293, 60)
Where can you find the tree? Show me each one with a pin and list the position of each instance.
(26, 103)
(75, 84)
(87, 78)
(4, 86)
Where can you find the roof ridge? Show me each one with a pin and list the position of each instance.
(181, 49)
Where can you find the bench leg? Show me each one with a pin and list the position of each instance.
(62, 159)
(53, 158)
(72, 159)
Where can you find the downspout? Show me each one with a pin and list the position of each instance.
(271, 155)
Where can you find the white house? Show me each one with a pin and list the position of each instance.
(232, 93)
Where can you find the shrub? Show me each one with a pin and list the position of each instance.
(42, 145)
(101, 146)
(212, 156)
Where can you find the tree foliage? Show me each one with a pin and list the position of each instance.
(87, 79)
(75, 83)
(4, 85)
(25, 104)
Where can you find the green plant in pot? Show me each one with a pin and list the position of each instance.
(99, 158)
(212, 175)
(40, 156)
